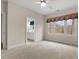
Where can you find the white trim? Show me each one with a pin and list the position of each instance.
(15, 46)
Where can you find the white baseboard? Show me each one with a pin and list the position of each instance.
(15, 46)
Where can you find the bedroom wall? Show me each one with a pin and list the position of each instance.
(63, 38)
(16, 25)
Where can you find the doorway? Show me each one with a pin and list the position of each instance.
(30, 29)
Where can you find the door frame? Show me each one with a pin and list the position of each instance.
(4, 24)
(26, 30)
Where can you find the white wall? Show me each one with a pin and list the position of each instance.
(63, 38)
(16, 25)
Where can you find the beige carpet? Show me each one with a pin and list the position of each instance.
(42, 50)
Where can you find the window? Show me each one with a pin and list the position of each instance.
(56, 27)
(70, 26)
(66, 24)
(61, 26)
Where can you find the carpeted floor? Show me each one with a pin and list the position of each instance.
(42, 50)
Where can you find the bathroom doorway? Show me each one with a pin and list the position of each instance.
(30, 29)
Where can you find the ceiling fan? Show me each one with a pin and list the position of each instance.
(43, 3)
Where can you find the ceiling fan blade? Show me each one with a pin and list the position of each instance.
(37, 3)
(49, 6)
(49, 1)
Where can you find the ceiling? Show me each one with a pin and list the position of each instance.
(52, 5)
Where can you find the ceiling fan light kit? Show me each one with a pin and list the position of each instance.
(43, 4)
